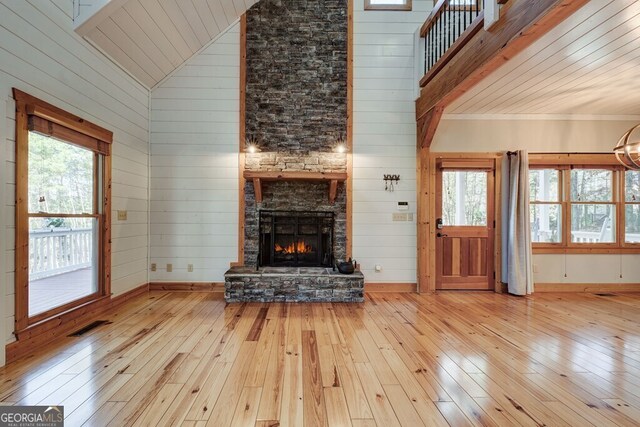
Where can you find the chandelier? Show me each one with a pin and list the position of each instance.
(628, 149)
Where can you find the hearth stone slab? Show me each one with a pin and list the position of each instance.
(292, 284)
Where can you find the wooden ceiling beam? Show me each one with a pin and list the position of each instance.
(427, 126)
(522, 22)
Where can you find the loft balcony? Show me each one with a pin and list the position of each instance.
(463, 41)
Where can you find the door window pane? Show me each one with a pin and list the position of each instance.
(62, 261)
(61, 176)
(543, 184)
(593, 223)
(546, 223)
(591, 185)
(464, 198)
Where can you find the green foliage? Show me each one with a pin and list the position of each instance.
(60, 179)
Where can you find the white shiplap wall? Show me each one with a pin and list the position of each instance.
(384, 140)
(559, 135)
(194, 165)
(41, 55)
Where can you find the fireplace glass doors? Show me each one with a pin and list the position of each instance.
(295, 239)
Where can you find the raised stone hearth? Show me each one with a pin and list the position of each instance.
(287, 284)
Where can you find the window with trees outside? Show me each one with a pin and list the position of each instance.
(62, 211)
(387, 4)
(584, 207)
(464, 198)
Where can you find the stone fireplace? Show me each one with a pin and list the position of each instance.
(295, 199)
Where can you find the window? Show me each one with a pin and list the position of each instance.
(632, 207)
(592, 206)
(545, 206)
(62, 211)
(464, 4)
(586, 202)
(387, 4)
(464, 198)
(63, 239)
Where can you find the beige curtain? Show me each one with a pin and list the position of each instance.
(518, 237)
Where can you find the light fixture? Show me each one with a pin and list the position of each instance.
(628, 149)
(341, 146)
(251, 146)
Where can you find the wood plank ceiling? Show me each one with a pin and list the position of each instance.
(587, 65)
(151, 38)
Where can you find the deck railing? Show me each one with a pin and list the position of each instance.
(59, 251)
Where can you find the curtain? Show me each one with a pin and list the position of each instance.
(517, 266)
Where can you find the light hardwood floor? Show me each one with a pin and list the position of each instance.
(398, 359)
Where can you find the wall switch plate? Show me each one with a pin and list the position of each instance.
(122, 215)
(169, 268)
(398, 216)
(190, 268)
(535, 268)
(409, 217)
(153, 267)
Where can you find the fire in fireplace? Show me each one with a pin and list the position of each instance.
(300, 247)
(295, 238)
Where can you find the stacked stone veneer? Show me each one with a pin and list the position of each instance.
(296, 107)
(244, 284)
(296, 93)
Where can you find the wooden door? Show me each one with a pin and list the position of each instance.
(465, 225)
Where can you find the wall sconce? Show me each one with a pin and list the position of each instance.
(251, 146)
(390, 181)
(341, 146)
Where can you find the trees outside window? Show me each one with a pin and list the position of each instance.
(587, 206)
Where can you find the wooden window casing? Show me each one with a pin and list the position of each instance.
(406, 6)
(564, 163)
(33, 114)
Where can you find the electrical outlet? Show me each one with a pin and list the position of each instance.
(535, 268)
(169, 268)
(190, 268)
(154, 267)
(398, 216)
(122, 215)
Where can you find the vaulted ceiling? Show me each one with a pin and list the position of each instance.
(586, 65)
(151, 38)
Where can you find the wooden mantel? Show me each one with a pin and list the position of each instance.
(330, 177)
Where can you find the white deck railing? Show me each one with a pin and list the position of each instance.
(59, 251)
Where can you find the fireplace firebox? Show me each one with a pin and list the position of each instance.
(295, 239)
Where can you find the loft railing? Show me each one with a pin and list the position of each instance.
(447, 29)
(59, 251)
